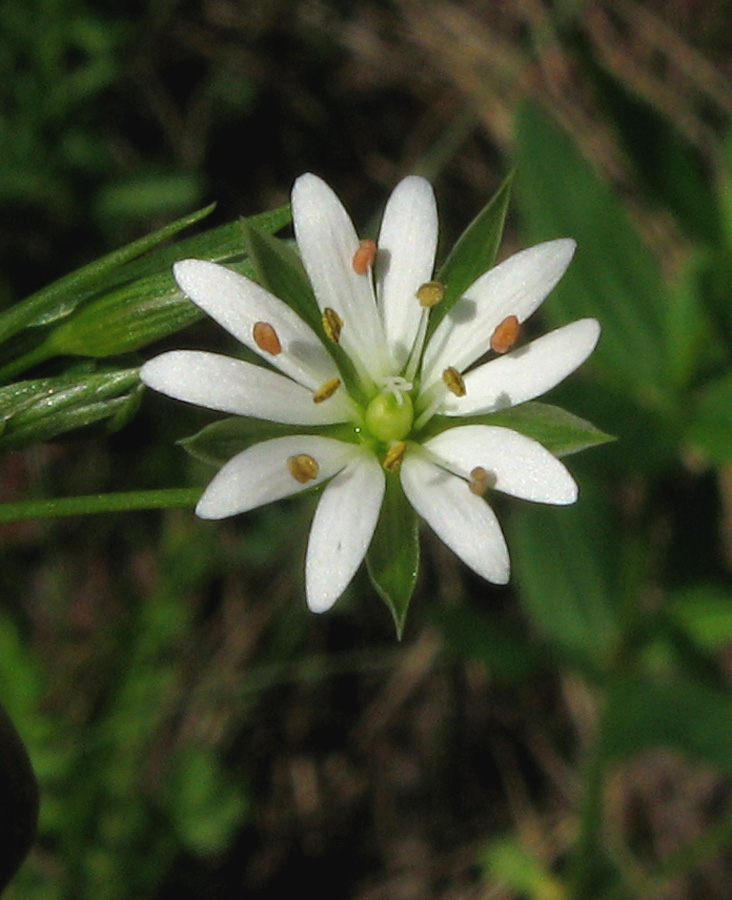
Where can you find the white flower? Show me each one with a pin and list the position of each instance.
(374, 314)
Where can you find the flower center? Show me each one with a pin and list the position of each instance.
(389, 416)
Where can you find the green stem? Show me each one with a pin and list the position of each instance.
(165, 498)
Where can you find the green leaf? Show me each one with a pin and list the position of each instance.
(473, 254)
(216, 245)
(613, 276)
(44, 409)
(393, 557)
(710, 425)
(567, 565)
(704, 612)
(59, 298)
(680, 714)
(559, 431)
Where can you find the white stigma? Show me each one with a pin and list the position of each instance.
(396, 385)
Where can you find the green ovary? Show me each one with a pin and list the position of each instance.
(389, 417)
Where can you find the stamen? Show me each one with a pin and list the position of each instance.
(265, 337)
(430, 294)
(395, 455)
(481, 480)
(506, 334)
(327, 389)
(363, 258)
(454, 381)
(332, 324)
(303, 467)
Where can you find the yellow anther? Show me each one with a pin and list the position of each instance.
(364, 257)
(302, 467)
(395, 455)
(506, 334)
(454, 381)
(265, 337)
(430, 294)
(481, 480)
(332, 324)
(327, 389)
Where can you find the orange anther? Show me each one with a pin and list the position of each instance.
(265, 337)
(506, 334)
(363, 258)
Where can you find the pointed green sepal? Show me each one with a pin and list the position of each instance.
(561, 432)
(474, 252)
(219, 441)
(279, 269)
(393, 557)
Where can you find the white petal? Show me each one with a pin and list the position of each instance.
(327, 242)
(405, 260)
(342, 529)
(238, 304)
(238, 387)
(260, 475)
(461, 519)
(516, 287)
(522, 467)
(525, 373)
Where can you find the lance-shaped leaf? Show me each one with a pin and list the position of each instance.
(59, 298)
(41, 410)
(393, 557)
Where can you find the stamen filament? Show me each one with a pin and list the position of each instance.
(415, 355)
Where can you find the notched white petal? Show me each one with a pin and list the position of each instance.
(241, 306)
(342, 528)
(521, 466)
(525, 373)
(261, 474)
(461, 519)
(238, 387)
(516, 287)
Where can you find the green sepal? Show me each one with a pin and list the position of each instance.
(60, 298)
(279, 269)
(218, 442)
(473, 254)
(561, 432)
(393, 557)
(46, 408)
